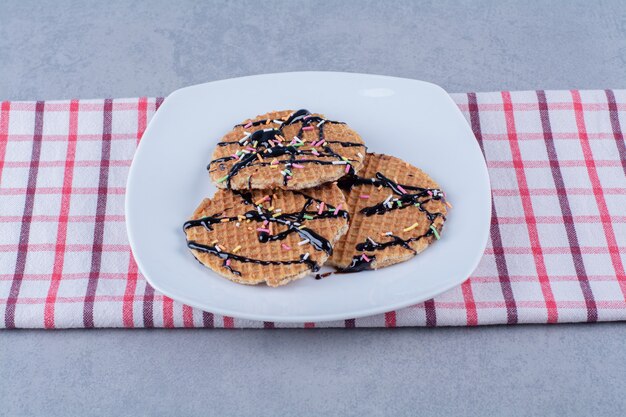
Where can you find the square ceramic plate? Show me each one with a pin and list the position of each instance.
(414, 120)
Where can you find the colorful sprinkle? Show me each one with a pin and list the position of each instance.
(338, 162)
(364, 196)
(214, 242)
(235, 250)
(237, 224)
(303, 242)
(224, 178)
(321, 123)
(297, 166)
(248, 125)
(262, 200)
(306, 256)
(321, 208)
(337, 209)
(308, 217)
(285, 247)
(262, 230)
(227, 262)
(365, 258)
(411, 227)
(448, 204)
(217, 248)
(401, 189)
(308, 128)
(348, 166)
(225, 220)
(434, 229)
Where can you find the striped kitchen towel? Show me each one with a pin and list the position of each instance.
(556, 253)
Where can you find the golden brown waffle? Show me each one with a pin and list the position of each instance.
(382, 231)
(238, 234)
(286, 149)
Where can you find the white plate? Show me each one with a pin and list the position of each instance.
(414, 120)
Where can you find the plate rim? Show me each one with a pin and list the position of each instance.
(319, 317)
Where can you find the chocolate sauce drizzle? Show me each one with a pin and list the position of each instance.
(359, 264)
(324, 275)
(225, 255)
(293, 222)
(407, 196)
(267, 145)
(372, 245)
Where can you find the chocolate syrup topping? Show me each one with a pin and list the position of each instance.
(358, 264)
(268, 146)
(225, 255)
(372, 245)
(417, 199)
(324, 275)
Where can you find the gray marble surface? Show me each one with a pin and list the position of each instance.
(114, 49)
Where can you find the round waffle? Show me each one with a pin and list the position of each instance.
(286, 149)
(275, 237)
(396, 211)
